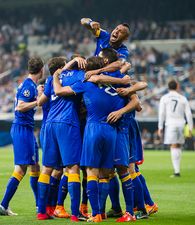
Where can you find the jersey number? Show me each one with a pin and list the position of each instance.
(175, 104)
(109, 89)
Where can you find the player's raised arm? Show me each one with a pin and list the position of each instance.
(58, 89)
(125, 67)
(91, 25)
(105, 79)
(132, 105)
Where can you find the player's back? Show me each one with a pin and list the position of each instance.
(174, 105)
(65, 109)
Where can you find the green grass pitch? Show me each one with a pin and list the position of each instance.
(175, 196)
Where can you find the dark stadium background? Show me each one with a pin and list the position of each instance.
(162, 43)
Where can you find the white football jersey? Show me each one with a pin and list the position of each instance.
(174, 110)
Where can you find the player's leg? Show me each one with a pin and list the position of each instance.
(138, 194)
(114, 194)
(176, 154)
(18, 174)
(93, 190)
(151, 207)
(62, 193)
(83, 206)
(127, 189)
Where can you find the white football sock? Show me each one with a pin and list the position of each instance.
(176, 159)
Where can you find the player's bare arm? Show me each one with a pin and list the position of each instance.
(58, 89)
(132, 104)
(125, 67)
(25, 106)
(109, 68)
(42, 99)
(91, 25)
(104, 79)
(141, 85)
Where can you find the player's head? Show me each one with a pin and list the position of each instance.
(94, 63)
(35, 66)
(109, 55)
(173, 85)
(56, 63)
(120, 33)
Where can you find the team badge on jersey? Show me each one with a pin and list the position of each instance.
(26, 93)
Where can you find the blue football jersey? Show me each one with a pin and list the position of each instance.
(100, 100)
(103, 42)
(27, 92)
(64, 109)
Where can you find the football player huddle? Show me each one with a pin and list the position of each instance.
(88, 127)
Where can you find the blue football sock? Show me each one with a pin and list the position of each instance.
(93, 194)
(11, 189)
(103, 193)
(53, 191)
(74, 189)
(147, 197)
(34, 176)
(84, 193)
(138, 192)
(43, 191)
(127, 192)
(114, 193)
(63, 189)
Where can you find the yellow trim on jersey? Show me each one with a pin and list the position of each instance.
(133, 175)
(73, 177)
(126, 178)
(44, 178)
(66, 174)
(17, 175)
(138, 173)
(104, 180)
(90, 178)
(97, 32)
(34, 174)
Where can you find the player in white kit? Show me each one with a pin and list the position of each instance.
(174, 112)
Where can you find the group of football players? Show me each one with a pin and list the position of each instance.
(88, 125)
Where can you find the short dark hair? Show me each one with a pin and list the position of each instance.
(75, 64)
(110, 54)
(172, 85)
(94, 63)
(35, 64)
(126, 25)
(56, 63)
(42, 81)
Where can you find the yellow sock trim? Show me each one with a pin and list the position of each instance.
(126, 178)
(133, 175)
(90, 178)
(66, 174)
(34, 174)
(73, 177)
(17, 175)
(103, 180)
(44, 178)
(138, 173)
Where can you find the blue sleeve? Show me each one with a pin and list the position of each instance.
(102, 34)
(78, 87)
(47, 87)
(123, 54)
(27, 94)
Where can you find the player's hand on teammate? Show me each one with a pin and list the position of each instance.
(58, 72)
(122, 91)
(81, 62)
(90, 73)
(94, 79)
(114, 116)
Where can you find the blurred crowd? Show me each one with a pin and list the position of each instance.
(151, 65)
